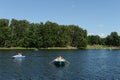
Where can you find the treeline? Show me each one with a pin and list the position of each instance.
(111, 40)
(22, 33)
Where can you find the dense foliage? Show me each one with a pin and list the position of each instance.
(111, 40)
(21, 33)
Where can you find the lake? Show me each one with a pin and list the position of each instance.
(84, 65)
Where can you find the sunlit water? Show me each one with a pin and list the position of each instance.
(84, 65)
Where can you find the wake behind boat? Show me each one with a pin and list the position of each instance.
(19, 55)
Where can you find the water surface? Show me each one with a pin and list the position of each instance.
(84, 65)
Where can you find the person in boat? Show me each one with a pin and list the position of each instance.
(59, 58)
(19, 54)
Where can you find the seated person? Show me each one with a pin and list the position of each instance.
(59, 58)
(19, 54)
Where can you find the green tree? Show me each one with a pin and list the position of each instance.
(4, 22)
(113, 39)
(18, 30)
(21, 33)
(94, 39)
(78, 36)
(5, 37)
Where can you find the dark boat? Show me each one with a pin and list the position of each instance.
(59, 62)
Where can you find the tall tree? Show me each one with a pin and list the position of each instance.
(5, 37)
(113, 39)
(21, 33)
(94, 39)
(78, 36)
(4, 22)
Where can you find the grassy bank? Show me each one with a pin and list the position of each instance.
(55, 48)
(16, 48)
(101, 47)
(68, 47)
(22, 48)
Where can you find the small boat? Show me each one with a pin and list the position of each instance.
(59, 62)
(19, 55)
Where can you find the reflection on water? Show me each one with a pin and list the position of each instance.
(18, 60)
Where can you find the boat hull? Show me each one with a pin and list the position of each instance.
(59, 63)
(18, 56)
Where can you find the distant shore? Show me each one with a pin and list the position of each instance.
(101, 47)
(16, 48)
(67, 48)
(22, 48)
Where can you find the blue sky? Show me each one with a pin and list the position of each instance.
(98, 17)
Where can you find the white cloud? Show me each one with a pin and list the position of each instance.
(91, 34)
(102, 35)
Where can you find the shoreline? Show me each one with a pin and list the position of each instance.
(102, 47)
(16, 48)
(49, 48)
(63, 48)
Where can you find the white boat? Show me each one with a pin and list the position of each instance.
(63, 60)
(18, 56)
